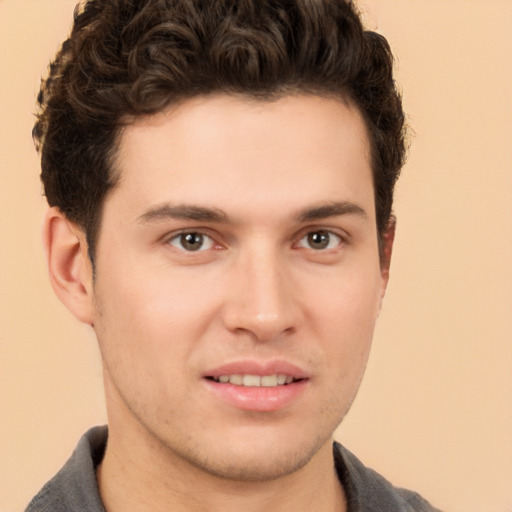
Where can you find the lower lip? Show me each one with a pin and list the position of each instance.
(258, 399)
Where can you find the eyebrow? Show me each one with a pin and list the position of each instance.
(214, 215)
(334, 209)
(184, 212)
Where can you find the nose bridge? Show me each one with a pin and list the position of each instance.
(263, 301)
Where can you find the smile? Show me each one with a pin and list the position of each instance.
(247, 380)
(257, 393)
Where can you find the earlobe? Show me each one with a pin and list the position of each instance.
(69, 266)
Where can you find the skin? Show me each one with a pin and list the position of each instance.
(273, 178)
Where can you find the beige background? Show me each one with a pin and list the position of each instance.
(435, 410)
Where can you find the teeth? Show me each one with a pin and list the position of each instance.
(255, 380)
(269, 381)
(252, 380)
(236, 379)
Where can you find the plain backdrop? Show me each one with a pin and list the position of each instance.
(435, 409)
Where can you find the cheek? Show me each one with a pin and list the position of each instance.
(350, 301)
(345, 316)
(153, 319)
(143, 344)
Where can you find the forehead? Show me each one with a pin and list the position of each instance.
(215, 148)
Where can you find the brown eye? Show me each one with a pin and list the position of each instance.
(191, 242)
(320, 240)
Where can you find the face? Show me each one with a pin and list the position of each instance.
(238, 281)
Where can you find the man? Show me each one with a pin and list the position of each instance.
(220, 178)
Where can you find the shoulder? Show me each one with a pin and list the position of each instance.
(74, 487)
(367, 491)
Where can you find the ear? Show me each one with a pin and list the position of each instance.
(386, 250)
(69, 267)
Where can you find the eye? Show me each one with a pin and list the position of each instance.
(320, 240)
(191, 241)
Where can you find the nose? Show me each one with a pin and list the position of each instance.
(263, 302)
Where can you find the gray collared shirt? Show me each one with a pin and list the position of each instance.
(74, 487)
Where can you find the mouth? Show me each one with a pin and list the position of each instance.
(256, 386)
(256, 381)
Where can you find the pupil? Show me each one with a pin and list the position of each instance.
(318, 240)
(192, 241)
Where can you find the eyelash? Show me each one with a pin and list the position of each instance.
(328, 237)
(180, 238)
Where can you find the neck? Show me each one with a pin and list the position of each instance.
(150, 479)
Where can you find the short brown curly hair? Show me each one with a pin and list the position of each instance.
(127, 58)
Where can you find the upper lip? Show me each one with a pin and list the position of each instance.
(261, 368)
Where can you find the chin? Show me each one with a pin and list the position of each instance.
(256, 457)
(257, 467)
